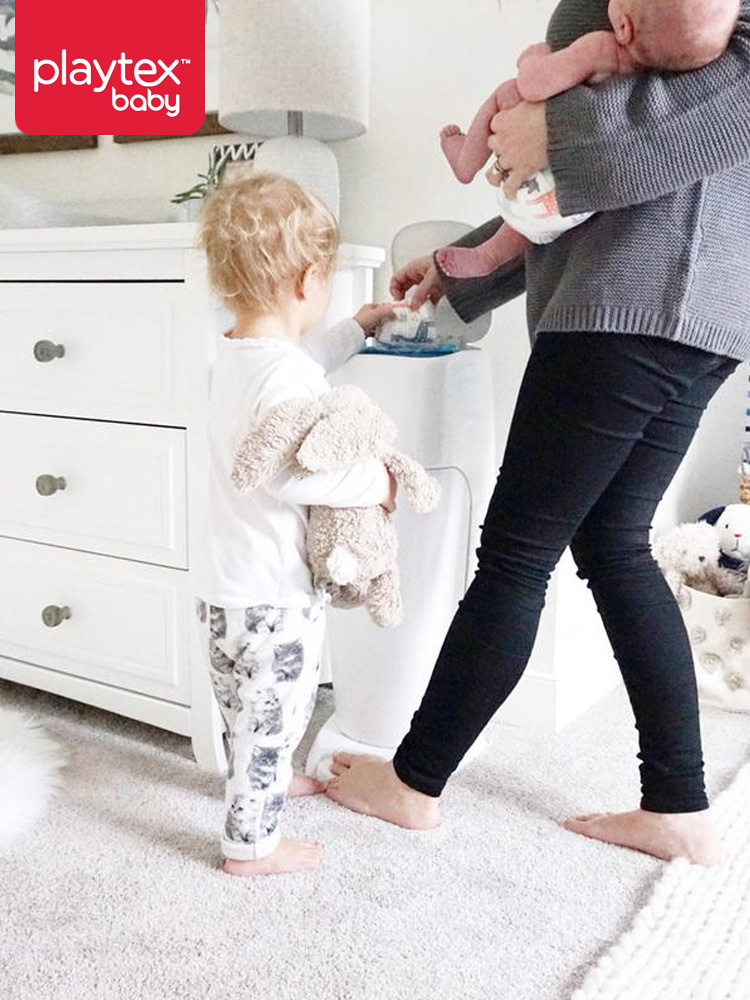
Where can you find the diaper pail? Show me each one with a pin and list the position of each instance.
(719, 631)
(443, 407)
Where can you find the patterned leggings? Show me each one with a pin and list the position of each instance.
(264, 666)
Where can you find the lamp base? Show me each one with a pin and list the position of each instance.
(311, 163)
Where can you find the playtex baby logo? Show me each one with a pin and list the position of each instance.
(104, 68)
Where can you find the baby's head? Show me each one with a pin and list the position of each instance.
(676, 35)
(270, 244)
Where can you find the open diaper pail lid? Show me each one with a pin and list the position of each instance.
(422, 238)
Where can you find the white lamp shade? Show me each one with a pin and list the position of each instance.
(279, 56)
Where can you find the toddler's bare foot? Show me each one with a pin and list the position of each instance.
(302, 785)
(289, 856)
(466, 262)
(452, 142)
(665, 835)
(370, 786)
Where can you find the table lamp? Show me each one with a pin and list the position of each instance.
(296, 73)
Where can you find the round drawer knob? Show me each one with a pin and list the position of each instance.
(46, 486)
(45, 350)
(52, 615)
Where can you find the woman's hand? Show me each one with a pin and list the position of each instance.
(371, 316)
(422, 273)
(520, 143)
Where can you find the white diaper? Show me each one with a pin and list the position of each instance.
(409, 327)
(534, 212)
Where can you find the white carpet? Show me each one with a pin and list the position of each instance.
(118, 897)
(692, 940)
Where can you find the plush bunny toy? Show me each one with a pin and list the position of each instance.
(353, 551)
(733, 526)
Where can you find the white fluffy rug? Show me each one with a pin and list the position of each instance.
(692, 940)
(30, 764)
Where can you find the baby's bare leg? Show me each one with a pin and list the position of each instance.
(476, 262)
(467, 154)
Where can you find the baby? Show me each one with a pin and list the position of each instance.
(271, 250)
(669, 35)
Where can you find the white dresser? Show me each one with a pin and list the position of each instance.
(106, 338)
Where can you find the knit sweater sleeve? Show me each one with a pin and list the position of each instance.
(473, 297)
(638, 138)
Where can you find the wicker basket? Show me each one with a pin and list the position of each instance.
(719, 631)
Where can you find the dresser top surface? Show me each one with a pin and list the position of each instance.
(151, 236)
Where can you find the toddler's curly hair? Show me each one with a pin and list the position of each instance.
(260, 232)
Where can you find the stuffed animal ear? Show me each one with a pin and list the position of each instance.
(273, 444)
(351, 428)
(712, 516)
(422, 491)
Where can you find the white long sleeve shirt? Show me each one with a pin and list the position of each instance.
(255, 543)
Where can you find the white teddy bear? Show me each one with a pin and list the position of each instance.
(689, 556)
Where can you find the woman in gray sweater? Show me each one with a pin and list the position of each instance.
(636, 318)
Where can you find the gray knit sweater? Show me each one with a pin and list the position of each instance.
(664, 159)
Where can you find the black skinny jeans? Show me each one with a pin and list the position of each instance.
(601, 425)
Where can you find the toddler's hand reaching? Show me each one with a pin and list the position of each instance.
(371, 316)
(389, 504)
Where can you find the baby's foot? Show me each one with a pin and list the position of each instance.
(289, 856)
(452, 141)
(665, 835)
(465, 262)
(301, 786)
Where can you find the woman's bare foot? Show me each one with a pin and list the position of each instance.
(289, 856)
(370, 786)
(302, 785)
(665, 835)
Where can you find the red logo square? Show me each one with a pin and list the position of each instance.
(110, 69)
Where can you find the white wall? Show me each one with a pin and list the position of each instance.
(433, 62)
(709, 476)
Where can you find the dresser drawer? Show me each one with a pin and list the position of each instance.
(116, 489)
(108, 351)
(127, 623)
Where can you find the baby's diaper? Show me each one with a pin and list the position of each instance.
(534, 212)
(413, 332)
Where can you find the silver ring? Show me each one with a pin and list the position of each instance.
(500, 170)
